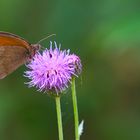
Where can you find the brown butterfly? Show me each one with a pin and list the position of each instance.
(14, 51)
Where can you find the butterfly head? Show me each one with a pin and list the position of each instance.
(34, 49)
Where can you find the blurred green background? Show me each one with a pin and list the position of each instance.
(106, 35)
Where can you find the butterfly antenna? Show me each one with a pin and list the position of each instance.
(45, 38)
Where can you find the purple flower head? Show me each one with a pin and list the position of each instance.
(52, 70)
(75, 62)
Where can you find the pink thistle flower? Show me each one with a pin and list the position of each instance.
(52, 70)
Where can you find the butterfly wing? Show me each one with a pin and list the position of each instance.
(13, 53)
(10, 59)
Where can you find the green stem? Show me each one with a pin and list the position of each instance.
(75, 108)
(59, 118)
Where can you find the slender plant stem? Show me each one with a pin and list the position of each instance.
(75, 108)
(59, 118)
